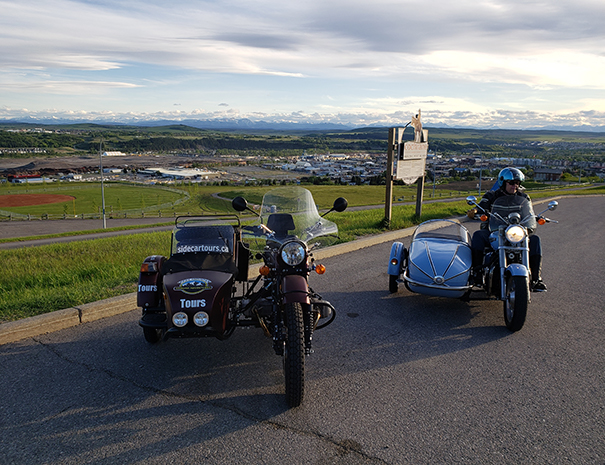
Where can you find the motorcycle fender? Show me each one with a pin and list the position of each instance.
(517, 269)
(149, 289)
(398, 254)
(295, 289)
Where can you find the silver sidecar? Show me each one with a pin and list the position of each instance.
(437, 263)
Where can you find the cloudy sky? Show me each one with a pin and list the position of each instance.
(504, 63)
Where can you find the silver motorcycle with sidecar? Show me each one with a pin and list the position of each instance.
(439, 260)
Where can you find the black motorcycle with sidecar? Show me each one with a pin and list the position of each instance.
(204, 290)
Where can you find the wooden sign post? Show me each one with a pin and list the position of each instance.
(410, 163)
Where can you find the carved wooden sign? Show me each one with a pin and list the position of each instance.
(411, 159)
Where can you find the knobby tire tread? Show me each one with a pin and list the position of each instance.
(294, 355)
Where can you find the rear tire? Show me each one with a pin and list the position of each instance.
(516, 302)
(294, 354)
(393, 284)
(152, 335)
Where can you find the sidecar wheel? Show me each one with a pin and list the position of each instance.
(152, 335)
(294, 355)
(516, 302)
(393, 284)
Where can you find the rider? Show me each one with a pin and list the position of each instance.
(509, 182)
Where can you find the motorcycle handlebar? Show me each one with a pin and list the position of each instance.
(258, 230)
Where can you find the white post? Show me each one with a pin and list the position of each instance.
(480, 168)
(102, 185)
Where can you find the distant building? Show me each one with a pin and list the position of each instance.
(114, 154)
(547, 174)
(178, 173)
(27, 179)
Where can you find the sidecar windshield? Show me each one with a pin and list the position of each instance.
(446, 230)
(197, 236)
(290, 212)
(201, 244)
(507, 204)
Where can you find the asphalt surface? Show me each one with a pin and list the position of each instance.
(397, 379)
(16, 229)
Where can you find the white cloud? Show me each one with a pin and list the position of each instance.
(344, 57)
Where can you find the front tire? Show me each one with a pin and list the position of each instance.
(516, 302)
(294, 354)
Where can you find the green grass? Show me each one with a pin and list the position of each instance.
(119, 197)
(36, 280)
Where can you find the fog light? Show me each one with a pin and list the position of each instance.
(200, 319)
(179, 319)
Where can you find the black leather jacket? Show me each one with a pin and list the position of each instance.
(490, 197)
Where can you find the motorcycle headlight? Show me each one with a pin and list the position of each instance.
(515, 234)
(179, 319)
(293, 253)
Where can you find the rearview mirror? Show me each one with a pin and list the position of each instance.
(239, 204)
(340, 204)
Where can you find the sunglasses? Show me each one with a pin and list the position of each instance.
(516, 183)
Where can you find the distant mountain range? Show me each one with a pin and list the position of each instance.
(218, 124)
(242, 124)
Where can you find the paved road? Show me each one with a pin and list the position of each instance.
(398, 378)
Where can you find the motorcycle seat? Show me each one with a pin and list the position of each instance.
(280, 224)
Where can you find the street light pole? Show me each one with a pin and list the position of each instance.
(102, 185)
(434, 160)
(480, 168)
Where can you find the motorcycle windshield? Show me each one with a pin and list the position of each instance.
(290, 213)
(507, 204)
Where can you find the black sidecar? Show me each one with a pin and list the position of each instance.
(189, 293)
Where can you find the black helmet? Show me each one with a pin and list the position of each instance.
(510, 174)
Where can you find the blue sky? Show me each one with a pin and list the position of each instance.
(509, 64)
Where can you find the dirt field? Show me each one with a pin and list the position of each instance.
(26, 200)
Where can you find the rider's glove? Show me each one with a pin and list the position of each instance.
(471, 213)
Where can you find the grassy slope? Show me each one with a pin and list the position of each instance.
(38, 280)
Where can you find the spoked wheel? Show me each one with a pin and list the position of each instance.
(393, 284)
(516, 301)
(152, 335)
(294, 355)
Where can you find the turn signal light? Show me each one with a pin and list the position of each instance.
(541, 221)
(264, 270)
(320, 269)
(483, 217)
(149, 267)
